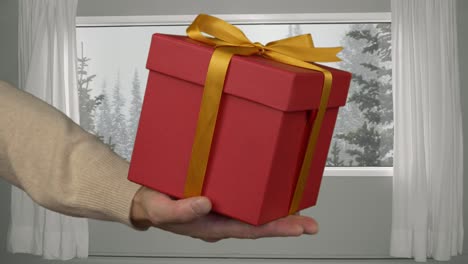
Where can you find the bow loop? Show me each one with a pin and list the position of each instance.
(221, 31)
(224, 34)
(304, 40)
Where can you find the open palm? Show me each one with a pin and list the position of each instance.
(192, 217)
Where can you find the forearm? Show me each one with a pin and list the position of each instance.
(58, 164)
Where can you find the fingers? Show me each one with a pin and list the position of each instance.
(212, 228)
(164, 210)
(210, 240)
(292, 225)
(311, 227)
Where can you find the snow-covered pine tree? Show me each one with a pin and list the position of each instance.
(334, 159)
(104, 118)
(87, 103)
(367, 55)
(119, 133)
(294, 30)
(135, 109)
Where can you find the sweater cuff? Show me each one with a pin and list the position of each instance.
(108, 191)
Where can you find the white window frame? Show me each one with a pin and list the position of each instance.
(161, 20)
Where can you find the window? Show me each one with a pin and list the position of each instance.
(112, 79)
(354, 212)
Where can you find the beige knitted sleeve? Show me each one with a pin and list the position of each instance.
(62, 167)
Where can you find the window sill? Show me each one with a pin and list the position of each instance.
(359, 171)
(235, 19)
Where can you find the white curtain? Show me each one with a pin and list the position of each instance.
(428, 164)
(47, 69)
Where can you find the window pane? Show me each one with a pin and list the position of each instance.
(112, 78)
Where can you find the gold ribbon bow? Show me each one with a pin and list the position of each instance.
(229, 40)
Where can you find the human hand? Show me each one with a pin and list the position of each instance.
(192, 217)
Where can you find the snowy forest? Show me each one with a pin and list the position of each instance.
(104, 115)
(363, 134)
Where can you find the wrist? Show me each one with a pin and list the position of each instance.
(138, 216)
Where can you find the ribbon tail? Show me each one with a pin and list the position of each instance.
(312, 142)
(304, 40)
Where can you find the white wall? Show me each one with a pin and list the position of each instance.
(176, 7)
(9, 41)
(8, 72)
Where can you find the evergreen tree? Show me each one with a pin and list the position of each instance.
(135, 108)
(104, 119)
(108, 142)
(87, 104)
(119, 132)
(294, 30)
(368, 57)
(367, 138)
(334, 159)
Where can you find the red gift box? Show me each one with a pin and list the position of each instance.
(266, 114)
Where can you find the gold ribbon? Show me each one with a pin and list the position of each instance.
(229, 40)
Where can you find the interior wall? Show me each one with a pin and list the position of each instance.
(8, 72)
(9, 40)
(177, 7)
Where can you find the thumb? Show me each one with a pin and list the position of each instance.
(180, 211)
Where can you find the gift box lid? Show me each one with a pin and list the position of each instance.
(274, 84)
